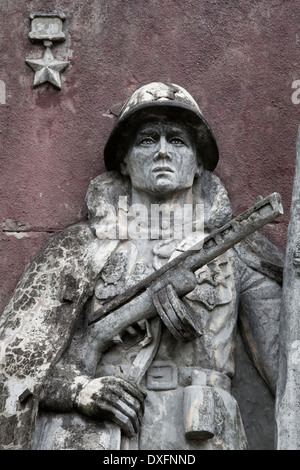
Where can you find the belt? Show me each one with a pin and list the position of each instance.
(166, 375)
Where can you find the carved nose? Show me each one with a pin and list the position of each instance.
(162, 151)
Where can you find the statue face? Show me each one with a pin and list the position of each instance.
(162, 159)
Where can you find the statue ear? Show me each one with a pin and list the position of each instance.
(123, 168)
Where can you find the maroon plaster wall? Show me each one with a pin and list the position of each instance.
(237, 58)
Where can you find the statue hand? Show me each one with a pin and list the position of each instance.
(113, 398)
(176, 314)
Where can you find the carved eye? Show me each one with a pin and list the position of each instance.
(146, 141)
(177, 141)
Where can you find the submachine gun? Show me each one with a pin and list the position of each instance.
(162, 290)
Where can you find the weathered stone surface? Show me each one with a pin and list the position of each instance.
(288, 396)
(256, 402)
(62, 371)
(52, 142)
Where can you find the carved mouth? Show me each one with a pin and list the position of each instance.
(163, 169)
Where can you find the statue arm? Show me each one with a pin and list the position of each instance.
(260, 301)
(73, 385)
(36, 327)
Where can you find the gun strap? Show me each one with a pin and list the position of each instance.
(146, 355)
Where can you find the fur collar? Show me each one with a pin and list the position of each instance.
(104, 191)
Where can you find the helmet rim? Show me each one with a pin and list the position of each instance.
(128, 122)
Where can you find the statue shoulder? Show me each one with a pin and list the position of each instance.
(56, 258)
(260, 254)
(79, 233)
(67, 242)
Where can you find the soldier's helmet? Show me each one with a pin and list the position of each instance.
(164, 101)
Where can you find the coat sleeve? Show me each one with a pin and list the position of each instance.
(260, 303)
(36, 327)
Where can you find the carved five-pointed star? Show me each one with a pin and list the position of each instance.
(47, 69)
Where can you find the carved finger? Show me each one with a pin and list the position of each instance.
(133, 389)
(126, 410)
(131, 402)
(111, 412)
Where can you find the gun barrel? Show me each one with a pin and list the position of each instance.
(261, 213)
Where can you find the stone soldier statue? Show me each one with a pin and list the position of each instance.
(63, 386)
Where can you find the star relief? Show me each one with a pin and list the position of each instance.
(47, 69)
